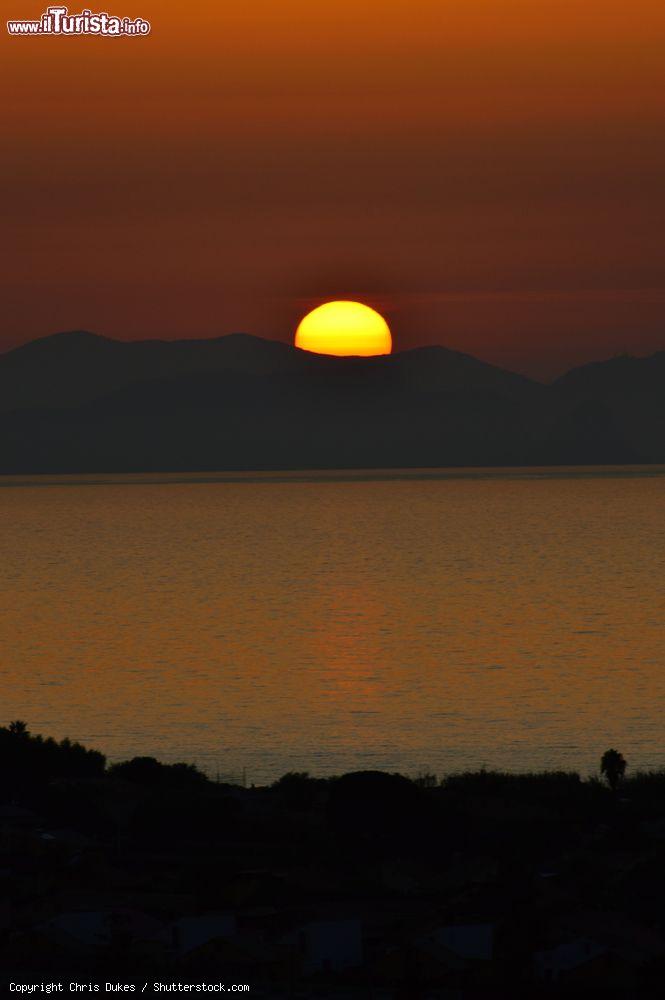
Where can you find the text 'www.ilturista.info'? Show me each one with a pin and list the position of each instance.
(58, 21)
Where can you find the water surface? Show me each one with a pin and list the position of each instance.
(432, 620)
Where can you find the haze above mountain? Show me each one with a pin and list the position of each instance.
(78, 402)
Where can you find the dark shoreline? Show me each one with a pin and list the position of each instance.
(332, 475)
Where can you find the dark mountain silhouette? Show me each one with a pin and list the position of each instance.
(630, 393)
(68, 369)
(77, 402)
(71, 368)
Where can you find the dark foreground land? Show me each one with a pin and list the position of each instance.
(366, 885)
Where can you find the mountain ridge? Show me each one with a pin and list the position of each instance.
(77, 401)
(120, 362)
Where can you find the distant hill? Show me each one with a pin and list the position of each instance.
(77, 402)
(631, 393)
(67, 369)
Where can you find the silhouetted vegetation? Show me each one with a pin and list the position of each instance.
(27, 760)
(613, 766)
(298, 789)
(151, 772)
(544, 860)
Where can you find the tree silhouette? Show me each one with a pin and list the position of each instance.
(613, 766)
(150, 771)
(31, 761)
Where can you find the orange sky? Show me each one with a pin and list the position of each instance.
(488, 174)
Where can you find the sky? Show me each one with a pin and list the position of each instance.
(489, 175)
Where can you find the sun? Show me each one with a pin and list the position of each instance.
(345, 329)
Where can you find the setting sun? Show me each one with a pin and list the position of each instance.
(344, 328)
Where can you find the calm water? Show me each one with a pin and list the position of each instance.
(440, 621)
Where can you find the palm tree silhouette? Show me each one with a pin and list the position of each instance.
(613, 766)
(18, 728)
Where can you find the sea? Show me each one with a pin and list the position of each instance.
(421, 621)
